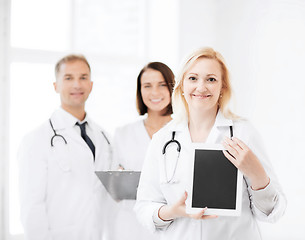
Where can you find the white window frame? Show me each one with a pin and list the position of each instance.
(4, 116)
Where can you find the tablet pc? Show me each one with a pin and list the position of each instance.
(120, 184)
(214, 183)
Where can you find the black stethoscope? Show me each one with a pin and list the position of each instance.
(62, 137)
(178, 150)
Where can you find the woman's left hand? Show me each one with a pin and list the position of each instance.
(245, 160)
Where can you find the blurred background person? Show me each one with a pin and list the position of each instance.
(61, 197)
(155, 84)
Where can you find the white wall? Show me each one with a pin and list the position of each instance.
(163, 30)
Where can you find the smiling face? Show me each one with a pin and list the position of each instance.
(202, 85)
(154, 90)
(73, 84)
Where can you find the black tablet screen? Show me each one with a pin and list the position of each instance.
(215, 180)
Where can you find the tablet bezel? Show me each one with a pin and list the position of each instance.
(213, 211)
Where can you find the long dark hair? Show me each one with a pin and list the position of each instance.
(169, 78)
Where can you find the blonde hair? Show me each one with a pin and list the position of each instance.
(180, 106)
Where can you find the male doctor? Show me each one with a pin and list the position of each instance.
(61, 197)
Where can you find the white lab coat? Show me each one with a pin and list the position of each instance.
(154, 191)
(61, 197)
(130, 144)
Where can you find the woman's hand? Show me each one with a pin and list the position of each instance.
(170, 212)
(245, 160)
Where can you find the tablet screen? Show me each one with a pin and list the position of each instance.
(214, 180)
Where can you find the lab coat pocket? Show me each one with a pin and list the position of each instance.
(60, 155)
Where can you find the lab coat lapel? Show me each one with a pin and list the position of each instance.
(102, 149)
(220, 128)
(75, 136)
(214, 135)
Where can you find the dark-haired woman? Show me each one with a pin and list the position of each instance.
(155, 84)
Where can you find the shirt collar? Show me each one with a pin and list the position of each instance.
(62, 119)
(86, 119)
(221, 121)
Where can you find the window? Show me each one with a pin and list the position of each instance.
(34, 25)
(109, 33)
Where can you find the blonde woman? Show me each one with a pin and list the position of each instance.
(200, 102)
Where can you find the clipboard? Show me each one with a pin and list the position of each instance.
(214, 183)
(120, 184)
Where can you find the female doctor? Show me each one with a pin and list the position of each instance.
(155, 84)
(200, 102)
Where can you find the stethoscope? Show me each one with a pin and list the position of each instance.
(63, 138)
(178, 151)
